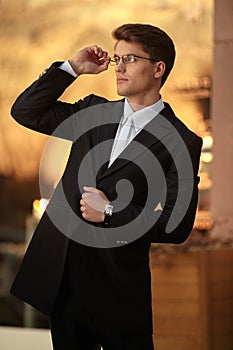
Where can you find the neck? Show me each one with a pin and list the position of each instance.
(140, 103)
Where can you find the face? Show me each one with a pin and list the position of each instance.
(137, 80)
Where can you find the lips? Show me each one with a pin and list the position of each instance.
(121, 80)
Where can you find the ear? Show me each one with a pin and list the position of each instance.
(160, 68)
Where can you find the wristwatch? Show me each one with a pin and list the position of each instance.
(108, 214)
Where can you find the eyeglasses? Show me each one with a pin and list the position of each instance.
(130, 58)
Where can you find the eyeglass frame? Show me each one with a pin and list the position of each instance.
(112, 59)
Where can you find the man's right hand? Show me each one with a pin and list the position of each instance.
(90, 60)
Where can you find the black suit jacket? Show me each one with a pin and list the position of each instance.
(113, 277)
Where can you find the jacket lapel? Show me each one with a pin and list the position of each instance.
(156, 131)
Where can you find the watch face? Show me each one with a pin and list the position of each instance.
(108, 209)
(107, 214)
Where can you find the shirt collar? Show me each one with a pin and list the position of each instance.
(143, 116)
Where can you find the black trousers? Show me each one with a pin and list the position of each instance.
(72, 327)
(75, 337)
(70, 330)
(67, 336)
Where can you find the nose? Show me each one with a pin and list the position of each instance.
(120, 67)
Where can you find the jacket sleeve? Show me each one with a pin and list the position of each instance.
(38, 108)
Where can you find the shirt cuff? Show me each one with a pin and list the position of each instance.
(67, 68)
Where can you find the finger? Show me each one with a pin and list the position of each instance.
(102, 54)
(84, 215)
(105, 64)
(97, 50)
(90, 189)
(105, 54)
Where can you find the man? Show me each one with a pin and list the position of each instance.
(131, 179)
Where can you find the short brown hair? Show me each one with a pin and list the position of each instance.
(154, 41)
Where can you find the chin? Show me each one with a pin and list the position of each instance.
(121, 92)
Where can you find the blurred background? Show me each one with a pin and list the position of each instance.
(35, 33)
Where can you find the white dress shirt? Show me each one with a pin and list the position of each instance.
(131, 124)
(66, 66)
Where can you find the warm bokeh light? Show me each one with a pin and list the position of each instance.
(33, 35)
(53, 162)
(207, 157)
(39, 206)
(207, 142)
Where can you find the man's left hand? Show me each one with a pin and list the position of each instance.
(92, 204)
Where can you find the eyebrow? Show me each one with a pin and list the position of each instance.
(126, 54)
